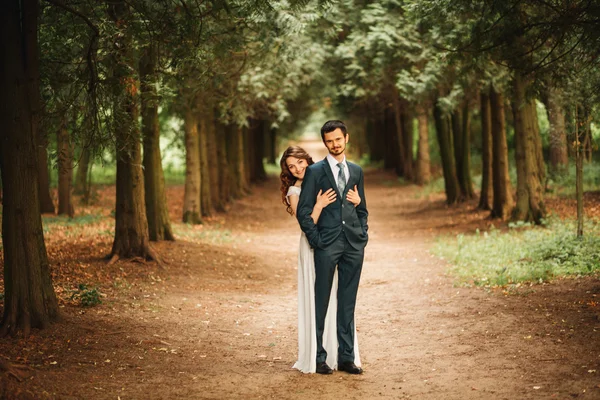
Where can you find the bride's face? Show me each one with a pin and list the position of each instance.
(297, 166)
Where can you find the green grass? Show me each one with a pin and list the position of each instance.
(436, 185)
(74, 226)
(564, 184)
(200, 233)
(522, 254)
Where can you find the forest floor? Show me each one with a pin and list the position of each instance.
(218, 321)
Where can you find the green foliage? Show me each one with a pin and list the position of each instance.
(522, 254)
(563, 184)
(87, 297)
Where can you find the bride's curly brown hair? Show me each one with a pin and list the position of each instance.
(287, 179)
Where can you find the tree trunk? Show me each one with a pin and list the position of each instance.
(586, 125)
(486, 152)
(539, 153)
(213, 162)
(423, 172)
(81, 177)
(530, 196)
(157, 213)
(579, 172)
(192, 209)
(503, 199)
(131, 230)
(29, 298)
(376, 137)
(236, 161)
(224, 184)
(256, 145)
(46, 202)
(261, 134)
(559, 159)
(393, 152)
(443, 133)
(272, 146)
(461, 130)
(33, 81)
(408, 139)
(205, 197)
(465, 168)
(65, 170)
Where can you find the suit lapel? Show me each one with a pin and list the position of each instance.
(353, 180)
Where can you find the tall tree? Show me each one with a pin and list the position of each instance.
(82, 184)
(65, 170)
(558, 156)
(30, 301)
(224, 184)
(530, 176)
(486, 151)
(235, 156)
(131, 230)
(192, 207)
(462, 142)
(503, 202)
(213, 163)
(205, 121)
(157, 213)
(423, 168)
(442, 127)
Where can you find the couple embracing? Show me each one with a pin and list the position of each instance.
(328, 200)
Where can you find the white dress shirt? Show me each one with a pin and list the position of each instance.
(333, 163)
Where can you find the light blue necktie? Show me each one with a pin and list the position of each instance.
(341, 179)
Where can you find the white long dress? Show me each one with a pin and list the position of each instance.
(307, 332)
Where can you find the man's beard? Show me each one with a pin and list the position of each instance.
(338, 151)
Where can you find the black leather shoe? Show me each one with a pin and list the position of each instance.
(350, 368)
(323, 368)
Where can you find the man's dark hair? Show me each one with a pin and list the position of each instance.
(331, 126)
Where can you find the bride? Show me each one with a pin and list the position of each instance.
(293, 165)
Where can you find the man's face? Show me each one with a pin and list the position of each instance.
(335, 141)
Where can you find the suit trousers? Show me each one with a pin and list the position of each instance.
(349, 263)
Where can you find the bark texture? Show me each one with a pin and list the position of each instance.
(461, 132)
(485, 195)
(192, 211)
(503, 203)
(423, 168)
(442, 128)
(204, 119)
(82, 185)
(408, 139)
(224, 173)
(559, 159)
(29, 301)
(213, 162)
(131, 230)
(157, 213)
(236, 160)
(528, 154)
(65, 171)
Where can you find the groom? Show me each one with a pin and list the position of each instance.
(338, 239)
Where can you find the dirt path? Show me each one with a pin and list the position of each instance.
(220, 321)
